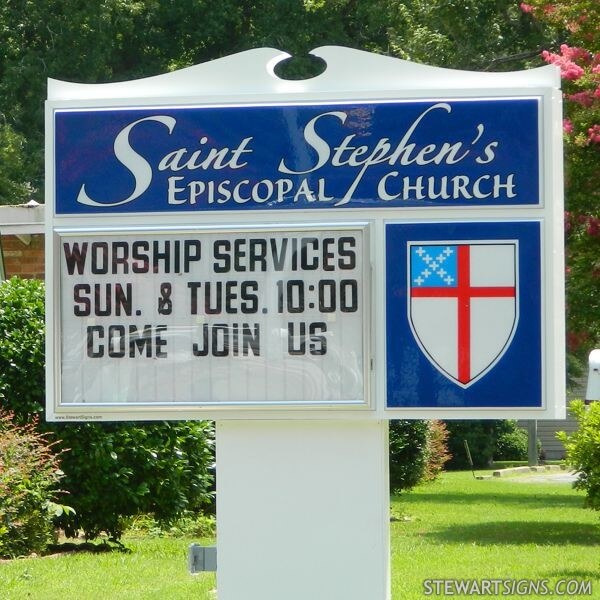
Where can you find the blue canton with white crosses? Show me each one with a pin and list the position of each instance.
(433, 266)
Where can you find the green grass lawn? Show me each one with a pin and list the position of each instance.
(461, 528)
(152, 568)
(455, 528)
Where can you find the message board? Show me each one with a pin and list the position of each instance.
(305, 250)
(214, 317)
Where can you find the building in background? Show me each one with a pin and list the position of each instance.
(22, 240)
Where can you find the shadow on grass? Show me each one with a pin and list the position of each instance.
(542, 533)
(541, 499)
(88, 547)
(580, 574)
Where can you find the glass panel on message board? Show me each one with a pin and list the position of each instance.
(213, 317)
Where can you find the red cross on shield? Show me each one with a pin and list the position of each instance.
(463, 307)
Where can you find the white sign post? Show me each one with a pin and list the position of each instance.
(303, 261)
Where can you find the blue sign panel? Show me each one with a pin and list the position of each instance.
(446, 153)
(463, 304)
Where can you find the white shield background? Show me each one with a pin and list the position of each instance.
(492, 320)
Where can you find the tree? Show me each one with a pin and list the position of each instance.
(583, 450)
(14, 187)
(577, 54)
(477, 35)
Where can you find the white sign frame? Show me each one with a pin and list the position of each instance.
(362, 402)
(248, 79)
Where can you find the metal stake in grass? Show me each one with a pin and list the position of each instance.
(471, 462)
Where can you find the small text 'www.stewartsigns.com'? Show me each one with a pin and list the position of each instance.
(507, 587)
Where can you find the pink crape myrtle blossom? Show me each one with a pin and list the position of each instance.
(569, 61)
(526, 8)
(593, 226)
(584, 98)
(567, 126)
(568, 69)
(575, 54)
(594, 134)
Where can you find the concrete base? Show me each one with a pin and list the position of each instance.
(302, 510)
(519, 470)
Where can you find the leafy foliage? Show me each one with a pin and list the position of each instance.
(583, 450)
(480, 437)
(478, 35)
(436, 453)
(121, 470)
(29, 473)
(22, 347)
(13, 188)
(575, 24)
(418, 452)
(408, 445)
(111, 471)
(512, 445)
(488, 440)
(189, 525)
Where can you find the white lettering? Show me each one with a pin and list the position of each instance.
(237, 194)
(382, 188)
(489, 154)
(509, 186)
(460, 183)
(459, 187)
(304, 190)
(477, 189)
(415, 191)
(317, 143)
(173, 189)
(256, 196)
(196, 189)
(137, 165)
(432, 194)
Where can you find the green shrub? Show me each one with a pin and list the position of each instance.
(418, 452)
(512, 444)
(29, 473)
(112, 471)
(22, 347)
(116, 471)
(583, 450)
(436, 452)
(408, 458)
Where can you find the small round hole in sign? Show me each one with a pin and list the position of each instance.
(296, 68)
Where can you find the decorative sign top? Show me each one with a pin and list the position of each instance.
(444, 153)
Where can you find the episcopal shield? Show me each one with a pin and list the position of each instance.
(463, 304)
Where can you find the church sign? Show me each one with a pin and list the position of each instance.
(388, 252)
